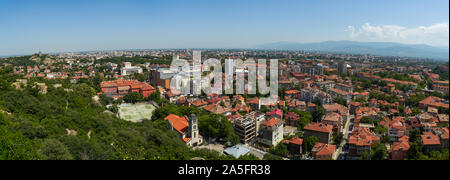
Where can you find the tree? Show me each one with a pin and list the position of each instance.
(415, 111)
(341, 101)
(364, 156)
(309, 143)
(249, 157)
(133, 97)
(13, 146)
(379, 152)
(84, 90)
(415, 150)
(414, 135)
(271, 157)
(318, 113)
(105, 100)
(52, 149)
(305, 119)
(337, 140)
(280, 150)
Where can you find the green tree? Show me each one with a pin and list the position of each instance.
(379, 152)
(249, 157)
(415, 150)
(105, 100)
(304, 119)
(280, 150)
(309, 143)
(52, 149)
(337, 140)
(364, 156)
(271, 157)
(133, 97)
(318, 113)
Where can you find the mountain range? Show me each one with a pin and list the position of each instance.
(373, 48)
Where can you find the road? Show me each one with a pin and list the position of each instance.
(346, 131)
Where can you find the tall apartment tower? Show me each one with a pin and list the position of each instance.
(342, 68)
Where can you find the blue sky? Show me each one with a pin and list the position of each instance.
(29, 26)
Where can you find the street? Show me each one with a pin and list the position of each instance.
(346, 132)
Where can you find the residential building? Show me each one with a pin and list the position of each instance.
(130, 70)
(294, 145)
(397, 128)
(323, 151)
(335, 120)
(292, 119)
(310, 94)
(322, 131)
(325, 84)
(120, 88)
(433, 102)
(430, 142)
(271, 132)
(344, 87)
(399, 150)
(361, 140)
(336, 93)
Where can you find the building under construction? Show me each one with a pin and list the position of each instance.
(246, 127)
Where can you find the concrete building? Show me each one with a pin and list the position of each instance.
(309, 95)
(247, 127)
(323, 132)
(342, 68)
(271, 132)
(129, 70)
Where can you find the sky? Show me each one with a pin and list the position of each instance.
(30, 26)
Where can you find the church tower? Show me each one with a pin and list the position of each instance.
(193, 126)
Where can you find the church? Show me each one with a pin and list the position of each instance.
(187, 128)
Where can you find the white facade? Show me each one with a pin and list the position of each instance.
(128, 69)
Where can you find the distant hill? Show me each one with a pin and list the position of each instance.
(374, 48)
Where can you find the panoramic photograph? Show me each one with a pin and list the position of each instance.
(255, 81)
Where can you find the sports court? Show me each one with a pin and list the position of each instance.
(136, 112)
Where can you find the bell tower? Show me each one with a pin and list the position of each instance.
(193, 127)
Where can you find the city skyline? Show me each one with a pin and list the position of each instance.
(72, 26)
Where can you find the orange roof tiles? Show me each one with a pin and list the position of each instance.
(181, 124)
(333, 117)
(322, 149)
(295, 140)
(271, 122)
(429, 139)
(400, 146)
(319, 127)
(363, 137)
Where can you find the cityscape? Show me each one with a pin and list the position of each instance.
(355, 98)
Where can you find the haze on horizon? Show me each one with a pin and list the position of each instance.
(28, 26)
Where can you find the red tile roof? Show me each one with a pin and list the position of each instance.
(295, 140)
(434, 101)
(429, 139)
(271, 122)
(319, 127)
(333, 117)
(363, 137)
(181, 124)
(322, 149)
(278, 112)
(400, 146)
